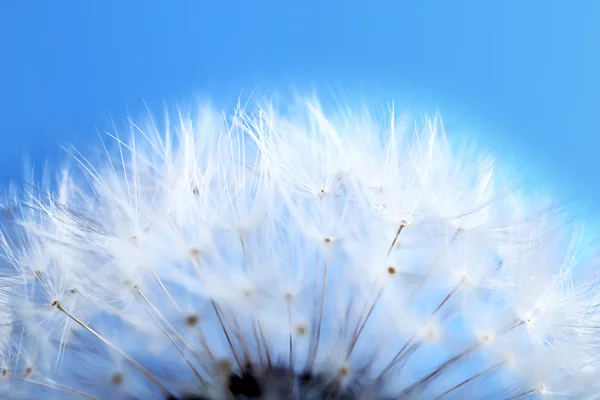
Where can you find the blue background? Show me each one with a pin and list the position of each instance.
(522, 76)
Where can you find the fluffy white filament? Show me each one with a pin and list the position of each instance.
(351, 256)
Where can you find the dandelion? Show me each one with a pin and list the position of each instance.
(292, 253)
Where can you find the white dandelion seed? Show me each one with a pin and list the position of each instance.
(295, 254)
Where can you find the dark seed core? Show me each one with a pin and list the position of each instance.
(279, 383)
(244, 385)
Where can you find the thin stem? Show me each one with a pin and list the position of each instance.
(258, 322)
(237, 360)
(57, 387)
(188, 362)
(493, 367)
(454, 359)
(362, 324)
(245, 348)
(205, 344)
(400, 353)
(245, 255)
(400, 227)
(117, 349)
(199, 333)
(258, 343)
(265, 344)
(521, 394)
(291, 355)
(164, 289)
(164, 320)
(430, 268)
(439, 369)
(318, 337)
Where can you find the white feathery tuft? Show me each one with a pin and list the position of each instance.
(293, 253)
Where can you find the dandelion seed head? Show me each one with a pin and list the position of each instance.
(292, 253)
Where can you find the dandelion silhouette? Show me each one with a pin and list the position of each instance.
(292, 253)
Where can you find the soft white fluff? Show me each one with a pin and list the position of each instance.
(371, 252)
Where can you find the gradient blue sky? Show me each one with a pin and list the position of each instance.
(522, 76)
